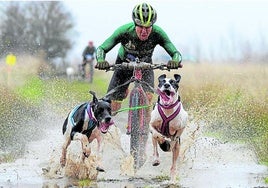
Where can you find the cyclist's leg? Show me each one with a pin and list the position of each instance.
(119, 77)
(91, 71)
(116, 104)
(148, 76)
(83, 68)
(150, 96)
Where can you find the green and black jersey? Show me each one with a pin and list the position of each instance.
(131, 44)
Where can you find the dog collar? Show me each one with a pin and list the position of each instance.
(169, 106)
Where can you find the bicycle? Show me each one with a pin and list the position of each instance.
(137, 111)
(89, 59)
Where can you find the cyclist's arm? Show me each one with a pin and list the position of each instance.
(168, 45)
(109, 43)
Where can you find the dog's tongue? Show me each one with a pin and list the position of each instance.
(105, 126)
(166, 98)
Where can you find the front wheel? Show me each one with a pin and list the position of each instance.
(139, 126)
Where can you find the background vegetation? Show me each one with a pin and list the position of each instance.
(230, 99)
(26, 95)
(37, 28)
(233, 101)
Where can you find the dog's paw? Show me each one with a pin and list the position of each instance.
(156, 162)
(100, 169)
(62, 164)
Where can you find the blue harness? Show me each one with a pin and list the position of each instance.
(92, 122)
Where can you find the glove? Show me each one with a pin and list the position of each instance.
(174, 64)
(103, 65)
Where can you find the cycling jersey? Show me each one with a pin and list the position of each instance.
(88, 51)
(131, 44)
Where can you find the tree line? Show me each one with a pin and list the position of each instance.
(34, 28)
(44, 27)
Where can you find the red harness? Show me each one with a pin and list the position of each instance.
(166, 120)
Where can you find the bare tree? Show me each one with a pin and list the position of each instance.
(13, 35)
(37, 26)
(263, 48)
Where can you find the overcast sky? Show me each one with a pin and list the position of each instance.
(214, 24)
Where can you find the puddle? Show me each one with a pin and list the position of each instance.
(204, 162)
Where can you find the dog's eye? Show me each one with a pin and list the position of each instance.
(163, 81)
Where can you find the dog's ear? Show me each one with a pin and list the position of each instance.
(95, 99)
(161, 77)
(177, 77)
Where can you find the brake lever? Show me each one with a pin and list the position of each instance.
(163, 67)
(109, 69)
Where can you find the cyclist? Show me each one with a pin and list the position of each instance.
(88, 57)
(138, 39)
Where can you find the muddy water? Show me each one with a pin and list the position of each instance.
(204, 162)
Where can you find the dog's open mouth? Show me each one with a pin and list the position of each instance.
(104, 126)
(166, 95)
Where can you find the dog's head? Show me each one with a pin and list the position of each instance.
(102, 112)
(168, 88)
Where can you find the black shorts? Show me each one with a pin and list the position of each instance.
(122, 76)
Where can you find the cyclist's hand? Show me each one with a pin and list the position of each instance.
(103, 65)
(174, 64)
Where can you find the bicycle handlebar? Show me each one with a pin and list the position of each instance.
(138, 65)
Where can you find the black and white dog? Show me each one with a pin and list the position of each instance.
(86, 122)
(168, 120)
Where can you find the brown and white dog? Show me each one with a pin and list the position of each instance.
(168, 120)
(86, 122)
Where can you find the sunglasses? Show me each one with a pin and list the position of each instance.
(140, 24)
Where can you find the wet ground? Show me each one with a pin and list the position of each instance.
(204, 162)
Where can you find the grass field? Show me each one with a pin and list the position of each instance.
(231, 98)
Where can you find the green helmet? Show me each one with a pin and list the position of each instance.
(144, 15)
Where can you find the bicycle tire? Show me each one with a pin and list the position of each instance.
(139, 127)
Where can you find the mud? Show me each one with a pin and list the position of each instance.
(204, 162)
